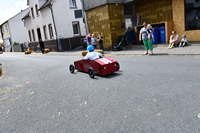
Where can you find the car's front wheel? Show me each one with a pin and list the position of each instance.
(91, 72)
(71, 68)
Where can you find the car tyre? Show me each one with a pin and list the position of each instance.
(118, 66)
(91, 72)
(71, 68)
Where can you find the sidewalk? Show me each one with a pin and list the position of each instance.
(139, 50)
(160, 49)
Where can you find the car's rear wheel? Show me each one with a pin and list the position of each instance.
(71, 68)
(118, 66)
(91, 72)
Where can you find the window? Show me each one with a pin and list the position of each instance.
(33, 35)
(36, 9)
(32, 12)
(128, 9)
(6, 28)
(29, 33)
(2, 29)
(76, 28)
(128, 23)
(78, 13)
(50, 31)
(72, 3)
(192, 15)
(45, 32)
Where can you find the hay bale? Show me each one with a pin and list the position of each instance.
(84, 53)
(1, 52)
(96, 50)
(0, 71)
(29, 49)
(46, 50)
(27, 52)
(99, 51)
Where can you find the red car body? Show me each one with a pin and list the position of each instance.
(101, 66)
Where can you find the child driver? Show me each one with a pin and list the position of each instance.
(92, 55)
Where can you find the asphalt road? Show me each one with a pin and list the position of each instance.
(150, 94)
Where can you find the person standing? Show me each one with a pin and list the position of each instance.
(144, 37)
(10, 48)
(100, 40)
(88, 37)
(94, 41)
(41, 45)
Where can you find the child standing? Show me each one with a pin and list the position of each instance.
(183, 42)
(150, 32)
(93, 41)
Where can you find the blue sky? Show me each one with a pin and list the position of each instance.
(9, 8)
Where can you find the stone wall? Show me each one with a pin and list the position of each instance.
(154, 11)
(106, 19)
(178, 7)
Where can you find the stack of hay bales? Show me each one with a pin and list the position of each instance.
(28, 52)
(46, 50)
(96, 50)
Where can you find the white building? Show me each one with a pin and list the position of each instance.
(13, 30)
(6, 36)
(17, 30)
(1, 40)
(55, 22)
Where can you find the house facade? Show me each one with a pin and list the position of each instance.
(1, 40)
(117, 17)
(59, 23)
(10, 31)
(16, 25)
(6, 36)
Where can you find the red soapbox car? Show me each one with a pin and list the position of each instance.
(101, 66)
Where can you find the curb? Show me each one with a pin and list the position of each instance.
(156, 54)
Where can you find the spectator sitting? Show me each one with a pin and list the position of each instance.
(183, 42)
(92, 55)
(173, 39)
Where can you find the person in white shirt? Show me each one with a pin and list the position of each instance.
(93, 41)
(92, 55)
(173, 39)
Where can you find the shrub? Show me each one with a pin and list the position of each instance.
(15, 43)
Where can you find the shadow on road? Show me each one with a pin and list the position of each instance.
(109, 76)
(160, 54)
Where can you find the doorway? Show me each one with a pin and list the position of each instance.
(39, 34)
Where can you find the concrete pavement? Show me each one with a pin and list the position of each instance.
(150, 94)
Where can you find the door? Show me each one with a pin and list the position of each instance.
(39, 34)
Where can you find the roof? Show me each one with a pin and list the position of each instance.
(26, 16)
(14, 16)
(48, 3)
